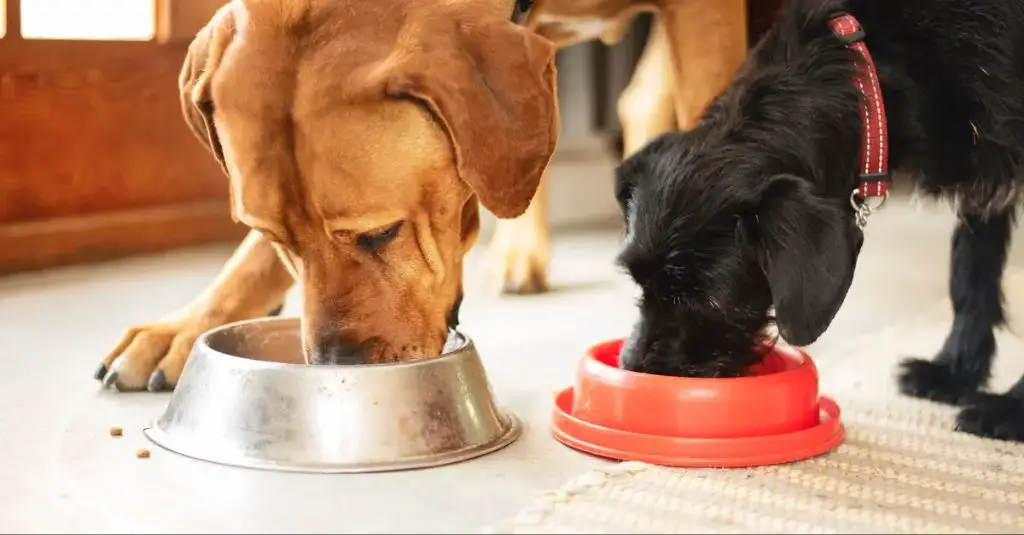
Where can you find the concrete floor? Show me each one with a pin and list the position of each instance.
(62, 472)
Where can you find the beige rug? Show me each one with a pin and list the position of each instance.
(902, 468)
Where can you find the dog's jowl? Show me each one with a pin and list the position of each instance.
(756, 214)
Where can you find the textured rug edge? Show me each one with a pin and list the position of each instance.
(545, 502)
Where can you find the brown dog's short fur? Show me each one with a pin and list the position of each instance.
(359, 138)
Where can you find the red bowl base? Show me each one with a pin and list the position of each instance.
(697, 452)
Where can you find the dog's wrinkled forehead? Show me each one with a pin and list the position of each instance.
(302, 95)
(316, 55)
(351, 44)
(457, 88)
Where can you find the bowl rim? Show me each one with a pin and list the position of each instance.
(466, 347)
(647, 380)
(513, 429)
(690, 452)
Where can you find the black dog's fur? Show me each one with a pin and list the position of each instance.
(750, 210)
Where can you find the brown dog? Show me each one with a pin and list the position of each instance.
(359, 138)
(338, 81)
(692, 53)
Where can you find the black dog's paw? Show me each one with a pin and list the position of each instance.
(993, 416)
(920, 378)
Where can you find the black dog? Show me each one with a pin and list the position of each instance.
(754, 208)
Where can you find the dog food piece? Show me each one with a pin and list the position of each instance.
(116, 431)
(142, 454)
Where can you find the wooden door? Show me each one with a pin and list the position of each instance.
(96, 160)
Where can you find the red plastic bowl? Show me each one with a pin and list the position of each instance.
(774, 415)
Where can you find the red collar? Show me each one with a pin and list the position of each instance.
(874, 148)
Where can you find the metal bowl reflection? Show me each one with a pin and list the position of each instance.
(245, 398)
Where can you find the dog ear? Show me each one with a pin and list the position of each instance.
(810, 249)
(201, 62)
(492, 86)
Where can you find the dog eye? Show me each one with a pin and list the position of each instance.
(373, 242)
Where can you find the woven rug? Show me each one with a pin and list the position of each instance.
(900, 470)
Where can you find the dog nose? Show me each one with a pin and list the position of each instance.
(333, 349)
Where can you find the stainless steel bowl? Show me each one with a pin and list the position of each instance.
(245, 398)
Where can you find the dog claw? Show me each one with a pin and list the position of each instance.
(101, 372)
(157, 381)
(110, 379)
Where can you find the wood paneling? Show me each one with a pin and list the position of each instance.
(12, 20)
(95, 156)
(108, 235)
(95, 126)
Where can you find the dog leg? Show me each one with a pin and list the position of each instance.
(965, 360)
(252, 283)
(999, 416)
(708, 42)
(520, 251)
(646, 107)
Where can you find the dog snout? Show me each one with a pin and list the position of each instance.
(336, 349)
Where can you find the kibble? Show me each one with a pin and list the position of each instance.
(142, 454)
(116, 431)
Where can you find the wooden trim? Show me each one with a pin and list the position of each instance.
(181, 20)
(162, 24)
(105, 236)
(13, 21)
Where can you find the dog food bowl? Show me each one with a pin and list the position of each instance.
(772, 416)
(247, 399)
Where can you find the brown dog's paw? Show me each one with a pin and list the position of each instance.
(519, 258)
(149, 357)
(523, 276)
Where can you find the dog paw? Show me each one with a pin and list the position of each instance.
(519, 258)
(993, 416)
(150, 357)
(524, 275)
(924, 379)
